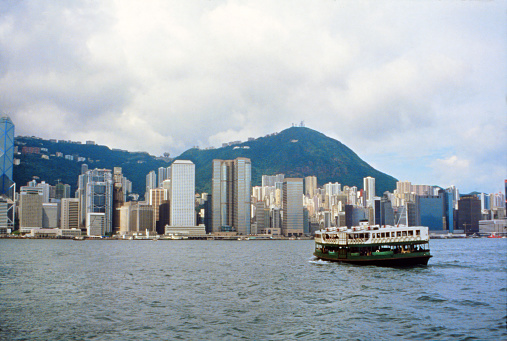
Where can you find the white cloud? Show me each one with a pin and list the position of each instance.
(403, 84)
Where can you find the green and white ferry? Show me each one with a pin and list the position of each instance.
(374, 245)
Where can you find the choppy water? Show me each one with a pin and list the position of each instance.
(259, 290)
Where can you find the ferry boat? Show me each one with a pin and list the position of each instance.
(374, 245)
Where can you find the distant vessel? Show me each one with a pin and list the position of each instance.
(374, 245)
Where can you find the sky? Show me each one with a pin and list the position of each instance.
(418, 89)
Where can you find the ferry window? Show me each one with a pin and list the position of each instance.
(378, 235)
(410, 233)
(382, 234)
(361, 235)
(404, 233)
(399, 233)
(418, 232)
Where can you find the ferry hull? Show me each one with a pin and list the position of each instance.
(402, 260)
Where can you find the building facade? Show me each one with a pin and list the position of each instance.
(182, 193)
(231, 195)
(292, 207)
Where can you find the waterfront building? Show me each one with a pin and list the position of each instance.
(231, 195)
(4, 221)
(99, 199)
(50, 215)
(431, 212)
(469, 214)
(292, 207)
(30, 208)
(182, 193)
(95, 224)
(69, 217)
(137, 217)
(310, 185)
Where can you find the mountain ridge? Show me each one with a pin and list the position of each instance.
(295, 152)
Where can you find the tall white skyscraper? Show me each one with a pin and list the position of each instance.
(369, 190)
(182, 193)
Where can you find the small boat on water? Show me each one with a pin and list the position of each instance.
(374, 245)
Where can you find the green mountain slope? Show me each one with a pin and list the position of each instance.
(295, 152)
(135, 165)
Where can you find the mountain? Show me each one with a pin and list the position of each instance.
(135, 165)
(295, 152)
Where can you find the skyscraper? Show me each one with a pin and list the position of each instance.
(99, 199)
(292, 207)
(310, 185)
(469, 214)
(162, 175)
(6, 157)
(182, 193)
(69, 213)
(30, 208)
(151, 181)
(369, 191)
(231, 192)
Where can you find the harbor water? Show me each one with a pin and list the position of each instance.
(253, 290)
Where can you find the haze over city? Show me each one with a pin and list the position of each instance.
(416, 89)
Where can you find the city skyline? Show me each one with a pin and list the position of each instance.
(413, 88)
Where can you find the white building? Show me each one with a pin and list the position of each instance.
(369, 191)
(182, 193)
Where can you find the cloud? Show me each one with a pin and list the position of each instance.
(403, 85)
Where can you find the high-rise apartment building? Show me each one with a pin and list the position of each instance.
(310, 185)
(162, 175)
(231, 194)
(182, 193)
(270, 180)
(151, 181)
(292, 207)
